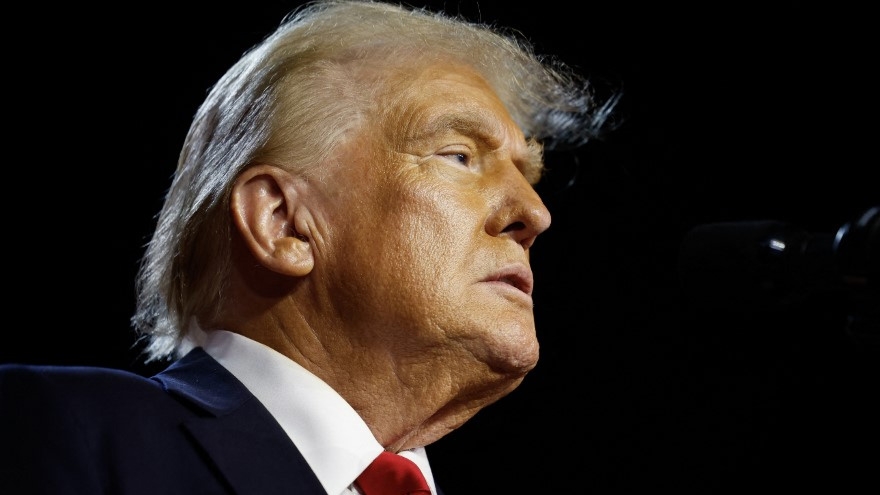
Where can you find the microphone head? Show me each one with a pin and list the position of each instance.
(752, 264)
(857, 251)
(760, 265)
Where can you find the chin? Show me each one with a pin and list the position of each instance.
(513, 353)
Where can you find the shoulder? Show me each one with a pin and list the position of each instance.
(21, 384)
(89, 427)
(48, 374)
(64, 400)
(194, 385)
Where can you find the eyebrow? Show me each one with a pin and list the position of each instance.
(533, 165)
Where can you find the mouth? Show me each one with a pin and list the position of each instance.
(516, 276)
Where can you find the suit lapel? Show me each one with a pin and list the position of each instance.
(244, 441)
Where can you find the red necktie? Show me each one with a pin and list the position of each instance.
(391, 474)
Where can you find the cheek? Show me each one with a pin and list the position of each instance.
(428, 242)
(436, 223)
(408, 241)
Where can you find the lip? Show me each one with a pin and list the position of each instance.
(517, 276)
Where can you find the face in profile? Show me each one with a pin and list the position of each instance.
(430, 226)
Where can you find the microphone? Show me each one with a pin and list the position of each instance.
(762, 264)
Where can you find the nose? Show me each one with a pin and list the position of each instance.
(519, 212)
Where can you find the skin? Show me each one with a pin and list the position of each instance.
(401, 277)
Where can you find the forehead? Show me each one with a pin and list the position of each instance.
(443, 94)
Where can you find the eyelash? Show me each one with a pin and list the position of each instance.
(463, 158)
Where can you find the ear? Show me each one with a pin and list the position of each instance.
(265, 203)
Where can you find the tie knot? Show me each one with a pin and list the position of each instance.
(391, 474)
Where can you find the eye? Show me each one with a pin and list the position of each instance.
(459, 158)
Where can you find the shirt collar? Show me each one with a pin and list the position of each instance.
(332, 437)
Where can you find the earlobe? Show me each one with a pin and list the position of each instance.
(265, 201)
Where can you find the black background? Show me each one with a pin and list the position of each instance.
(733, 112)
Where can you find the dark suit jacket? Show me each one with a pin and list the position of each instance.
(192, 429)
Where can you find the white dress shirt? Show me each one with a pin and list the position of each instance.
(332, 437)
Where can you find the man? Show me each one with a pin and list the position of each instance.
(340, 267)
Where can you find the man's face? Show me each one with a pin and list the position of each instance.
(429, 227)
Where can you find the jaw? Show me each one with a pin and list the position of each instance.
(453, 413)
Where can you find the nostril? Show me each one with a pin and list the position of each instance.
(515, 226)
